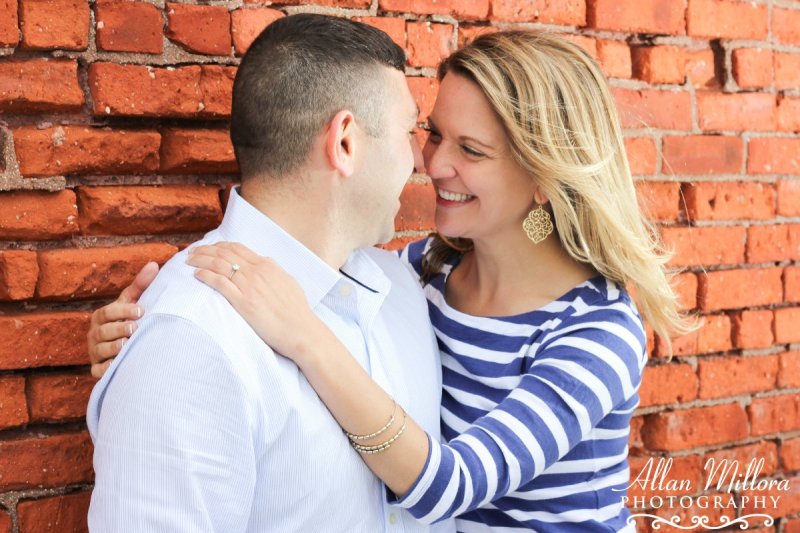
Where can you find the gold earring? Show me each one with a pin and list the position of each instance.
(537, 225)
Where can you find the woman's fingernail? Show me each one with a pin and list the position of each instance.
(131, 328)
(137, 312)
(122, 343)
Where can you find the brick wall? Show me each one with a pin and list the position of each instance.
(115, 151)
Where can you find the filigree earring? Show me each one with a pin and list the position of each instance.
(538, 225)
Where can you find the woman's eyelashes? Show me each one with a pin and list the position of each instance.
(435, 137)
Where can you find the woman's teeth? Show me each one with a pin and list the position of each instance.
(454, 196)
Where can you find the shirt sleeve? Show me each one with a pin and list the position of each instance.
(578, 376)
(173, 445)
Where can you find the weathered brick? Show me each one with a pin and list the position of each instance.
(46, 461)
(786, 25)
(424, 91)
(743, 455)
(791, 284)
(787, 70)
(134, 90)
(28, 86)
(658, 64)
(43, 339)
(773, 155)
(128, 27)
(775, 414)
(65, 150)
(790, 454)
(741, 288)
(200, 29)
(615, 58)
(474, 10)
(569, 12)
(752, 67)
(773, 243)
(659, 200)
(650, 108)
(690, 428)
(730, 376)
(703, 154)
(354, 4)
(9, 30)
(753, 329)
(789, 114)
(468, 33)
(713, 336)
(789, 197)
(5, 522)
(736, 112)
(73, 273)
(57, 397)
(728, 19)
(18, 273)
(705, 246)
(729, 200)
(788, 500)
(13, 405)
(787, 325)
(148, 210)
(37, 216)
(701, 69)
(417, 205)
(55, 515)
(49, 24)
(247, 24)
(197, 151)
(642, 155)
(685, 287)
(667, 384)
(637, 16)
(681, 469)
(587, 43)
(428, 43)
(394, 27)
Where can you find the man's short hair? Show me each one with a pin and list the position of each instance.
(298, 73)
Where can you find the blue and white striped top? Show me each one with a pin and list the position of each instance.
(536, 410)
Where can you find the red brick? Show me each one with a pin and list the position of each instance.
(736, 289)
(467, 33)
(789, 197)
(642, 155)
(659, 200)
(72, 273)
(773, 155)
(753, 329)
(587, 43)
(9, 35)
(394, 27)
(681, 469)
(28, 86)
(428, 43)
(729, 19)
(789, 370)
(731, 376)
(690, 428)
(568, 12)
(789, 114)
(57, 397)
(417, 205)
(472, 10)
(788, 500)
(666, 384)
(773, 243)
(354, 4)
(43, 339)
(55, 515)
(5, 522)
(133, 90)
(129, 27)
(649, 108)
(716, 245)
(200, 29)
(703, 154)
(658, 64)
(148, 210)
(736, 112)
(791, 526)
(790, 454)
(685, 287)
(752, 67)
(787, 71)
(18, 273)
(743, 455)
(713, 336)
(247, 24)
(65, 150)
(775, 414)
(637, 16)
(729, 200)
(787, 325)
(197, 152)
(615, 58)
(13, 406)
(424, 91)
(46, 461)
(398, 243)
(791, 284)
(635, 438)
(686, 511)
(786, 25)
(701, 70)
(36, 216)
(48, 24)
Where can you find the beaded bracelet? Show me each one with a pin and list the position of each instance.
(354, 437)
(378, 448)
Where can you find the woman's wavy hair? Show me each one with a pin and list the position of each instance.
(560, 119)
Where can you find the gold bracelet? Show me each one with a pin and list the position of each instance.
(378, 448)
(353, 437)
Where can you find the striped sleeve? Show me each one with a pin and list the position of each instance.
(580, 373)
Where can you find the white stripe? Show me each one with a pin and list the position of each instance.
(581, 413)
(538, 406)
(610, 358)
(500, 383)
(590, 380)
(550, 493)
(586, 465)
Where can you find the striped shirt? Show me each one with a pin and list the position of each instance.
(536, 412)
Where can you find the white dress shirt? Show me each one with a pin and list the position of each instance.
(199, 426)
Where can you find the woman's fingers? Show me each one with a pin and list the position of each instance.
(220, 283)
(116, 311)
(98, 369)
(111, 331)
(240, 249)
(103, 351)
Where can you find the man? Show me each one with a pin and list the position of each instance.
(198, 425)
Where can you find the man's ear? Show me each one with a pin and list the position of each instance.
(341, 140)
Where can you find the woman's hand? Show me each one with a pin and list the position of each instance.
(113, 324)
(270, 299)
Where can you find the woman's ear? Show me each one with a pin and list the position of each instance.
(540, 197)
(341, 142)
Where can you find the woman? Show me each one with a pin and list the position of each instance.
(539, 233)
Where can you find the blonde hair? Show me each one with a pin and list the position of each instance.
(561, 123)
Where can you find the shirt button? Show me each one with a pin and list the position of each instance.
(392, 518)
(345, 290)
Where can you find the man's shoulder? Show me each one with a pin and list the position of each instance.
(394, 268)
